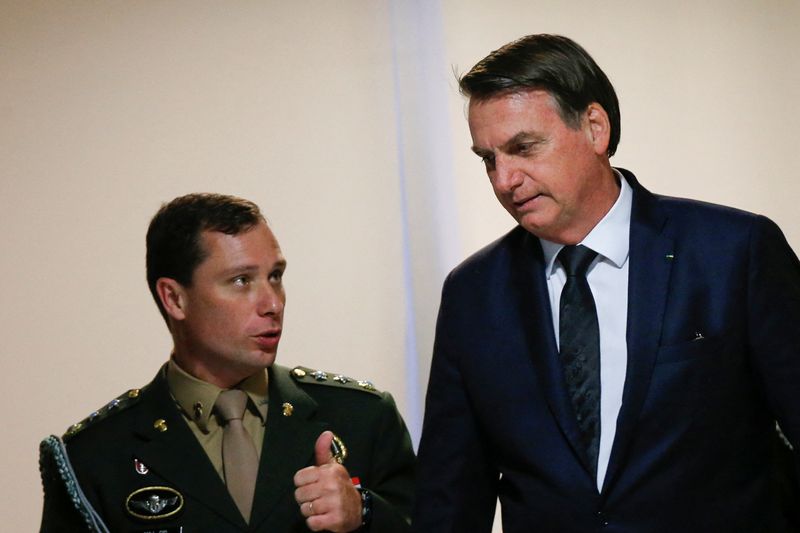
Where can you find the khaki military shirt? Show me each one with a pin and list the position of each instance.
(196, 398)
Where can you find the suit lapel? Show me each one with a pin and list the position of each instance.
(171, 453)
(529, 281)
(651, 251)
(288, 444)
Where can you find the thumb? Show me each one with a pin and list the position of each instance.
(322, 449)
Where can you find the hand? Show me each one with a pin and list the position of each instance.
(326, 496)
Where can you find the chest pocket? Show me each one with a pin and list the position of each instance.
(699, 349)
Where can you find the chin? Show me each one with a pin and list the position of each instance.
(253, 362)
(266, 359)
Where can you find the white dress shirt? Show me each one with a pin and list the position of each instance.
(608, 280)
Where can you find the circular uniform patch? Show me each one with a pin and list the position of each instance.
(154, 503)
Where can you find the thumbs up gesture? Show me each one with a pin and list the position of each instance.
(326, 496)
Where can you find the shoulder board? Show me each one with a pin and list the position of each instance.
(302, 374)
(121, 402)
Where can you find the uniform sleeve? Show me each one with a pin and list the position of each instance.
(65, 508)
(457, 484)
(392, 475)
(774, 328)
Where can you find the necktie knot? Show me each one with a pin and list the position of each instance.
(576, 259)
(231, 404)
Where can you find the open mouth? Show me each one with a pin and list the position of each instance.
(268, 339)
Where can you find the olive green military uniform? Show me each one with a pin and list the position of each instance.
(141, 468)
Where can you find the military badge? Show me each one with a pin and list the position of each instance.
(140, 467)
(154, 503)
(338, 449)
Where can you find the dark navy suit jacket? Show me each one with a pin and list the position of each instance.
(713, 362)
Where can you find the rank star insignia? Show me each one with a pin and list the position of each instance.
(154, 503)
(319, 375)
(366, 385)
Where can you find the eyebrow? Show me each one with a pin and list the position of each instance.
(281, 264)
(522, 135)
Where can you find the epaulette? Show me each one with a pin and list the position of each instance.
(302, 374)
(121, 402)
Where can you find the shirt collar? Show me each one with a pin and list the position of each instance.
(197, 398)
(610, 238)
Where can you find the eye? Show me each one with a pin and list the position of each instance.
(241, 281)
(488, 160)
(276, 276)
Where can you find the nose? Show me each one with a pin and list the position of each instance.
(506, 175)
(270, 300)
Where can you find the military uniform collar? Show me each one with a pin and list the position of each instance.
(196, 398)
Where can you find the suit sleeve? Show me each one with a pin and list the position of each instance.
(456, 482)
(392, 475)
(774, 327)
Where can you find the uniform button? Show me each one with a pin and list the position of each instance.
(602, 518)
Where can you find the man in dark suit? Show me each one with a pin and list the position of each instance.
(223, 439)
(619, 360)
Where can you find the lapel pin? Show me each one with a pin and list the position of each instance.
(288, 409)
(160, 425)
(140, 467)
(670, 257)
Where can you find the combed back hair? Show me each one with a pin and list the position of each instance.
(550, 63)
(174, 247)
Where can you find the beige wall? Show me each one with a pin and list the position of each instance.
(109, 108)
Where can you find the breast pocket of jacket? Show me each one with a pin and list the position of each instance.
(699, 349)
(697, 380)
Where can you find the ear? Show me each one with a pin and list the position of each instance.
(599, 127)
(173, 297)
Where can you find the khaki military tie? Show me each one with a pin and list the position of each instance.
(239, 456)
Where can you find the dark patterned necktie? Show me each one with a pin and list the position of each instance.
(239, 455)
(579, 346)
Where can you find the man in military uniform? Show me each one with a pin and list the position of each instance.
(223, 439)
